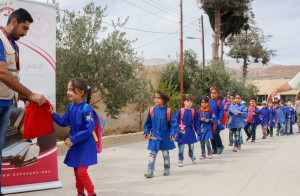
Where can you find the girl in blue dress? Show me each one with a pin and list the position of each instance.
(216, 143)
(206, 118)
(162, 133)
(188, 126)
(82, 151)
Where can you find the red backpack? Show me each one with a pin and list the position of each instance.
(168, 113)
(274, 114)
(210, 116)
(225, 117)
(182, 110)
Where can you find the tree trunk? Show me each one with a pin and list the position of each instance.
(245, 66)
(217, 31)
(222, 51)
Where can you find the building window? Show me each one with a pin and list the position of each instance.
(261, 98)
(286, 97)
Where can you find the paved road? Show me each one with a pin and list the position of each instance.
(266, 167)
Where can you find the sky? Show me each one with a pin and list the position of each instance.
(275, 17)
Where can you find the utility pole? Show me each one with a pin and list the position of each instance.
(203, 59)
(181, 56)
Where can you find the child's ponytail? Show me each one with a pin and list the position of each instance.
(89, 95)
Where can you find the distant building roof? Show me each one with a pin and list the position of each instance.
(267, 86)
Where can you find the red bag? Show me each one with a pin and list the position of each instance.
(38, 121)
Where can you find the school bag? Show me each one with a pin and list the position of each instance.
(183, 127)
(274, 114)
(100, 123)
(168, 113)
(225, 118)
(210, 116)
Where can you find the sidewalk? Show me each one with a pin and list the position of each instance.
(266, 167)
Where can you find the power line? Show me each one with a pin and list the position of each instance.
(156, 14)
(177, 10)
(170, 10)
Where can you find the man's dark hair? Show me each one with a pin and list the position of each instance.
(21, 15)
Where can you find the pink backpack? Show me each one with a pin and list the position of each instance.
(182, 110)
(99, 127)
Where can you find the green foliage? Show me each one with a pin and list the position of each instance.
(201, 80)
(170, 89)
(109, 66)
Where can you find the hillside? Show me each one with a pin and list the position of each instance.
(256, 70)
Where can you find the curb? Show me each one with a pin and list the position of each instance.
(107, 141)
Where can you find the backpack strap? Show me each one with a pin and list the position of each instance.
(218, 104)
(182, 110)
(169, 111)
(151, 112)
(210, 113)
(84, 108)
(71, 106)
(199, 112)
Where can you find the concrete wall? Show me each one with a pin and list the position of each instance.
(128, 120)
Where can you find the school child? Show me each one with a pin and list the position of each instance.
(227, 99)
(161, 125)
(264, 115)
(82, 151)
(290, 116)
(232, 100)
(206, 117)
(217, 107)
(237, 112)
(281, 118)
(250, 121)
(188, 126)
(273, 118)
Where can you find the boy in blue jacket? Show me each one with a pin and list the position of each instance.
(280, 119)
(264, 115)
(188, 125)
(232, 101)
(290, 115)
(273, 119)
(238, 112)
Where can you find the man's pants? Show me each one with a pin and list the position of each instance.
(152, 158)
(217, 141)
(253, 130)
(4, 120)
(181, 151)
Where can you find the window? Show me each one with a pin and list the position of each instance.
(286, 97)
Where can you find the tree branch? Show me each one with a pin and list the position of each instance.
(225, 13)
(98, 100)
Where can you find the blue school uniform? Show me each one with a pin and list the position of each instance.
(188, 136)
(237, 119)
(205, 126)
(281, 116)
(84, 150)
(159, 123)
(264, 115)
(213, 105)
(273, 116)
(229, 118)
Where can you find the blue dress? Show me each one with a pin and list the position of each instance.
(84, 150)
(264, 115)
(206, 126)
(159, 123)
(273, 116)
(237, 119)
(213, 105)
(188, 136)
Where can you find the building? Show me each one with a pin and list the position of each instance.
(267, 86)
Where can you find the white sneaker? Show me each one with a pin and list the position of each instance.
(180, 164)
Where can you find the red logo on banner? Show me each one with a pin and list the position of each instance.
(40, 28)
(7, 11)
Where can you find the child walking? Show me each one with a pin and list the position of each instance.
(232, 100)
(273, 118)
(82, 151)
(217, 107)
(206, 118)
(162, 127)
(290, 113)
(264, 115)
(238, 112)
(280, 120)
(188, 124)
(250, 121)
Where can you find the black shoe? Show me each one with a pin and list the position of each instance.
(248, 138)
(1, 194)
(214, 151)
(77, 195)
(271, 135)
(291, 133)
(252, 140)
